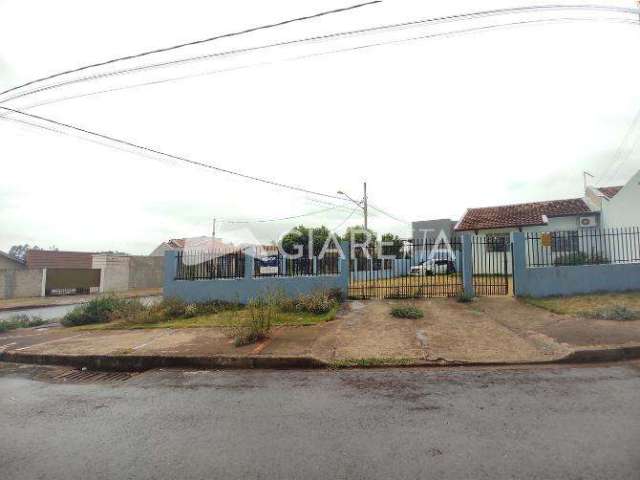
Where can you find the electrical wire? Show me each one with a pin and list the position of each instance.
(188, 44)
(155, 151)
(635, 124)
(315, 39)
(345, 220)
(387, 214)
(425, 37)
(317, 212)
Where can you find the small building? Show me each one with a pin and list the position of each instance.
(600, 207)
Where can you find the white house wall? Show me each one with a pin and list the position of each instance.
(623, 210)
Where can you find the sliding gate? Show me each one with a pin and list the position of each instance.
(407, 269)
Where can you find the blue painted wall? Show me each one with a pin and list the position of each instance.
(243, 290)
(569, 280)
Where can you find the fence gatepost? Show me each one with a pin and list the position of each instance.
(249, 262)
(467, 265)
(519, 261)
(344, 265)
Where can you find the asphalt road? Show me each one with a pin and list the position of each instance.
(543, 423)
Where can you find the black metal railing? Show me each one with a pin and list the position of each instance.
(409, 269)
(583, 247)
(278, 265)
(209, 265)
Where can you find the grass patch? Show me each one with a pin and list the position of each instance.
(21, 321)
(407, 311)
(372, 362)
(580, 304)
(306, 310)
(618, 312)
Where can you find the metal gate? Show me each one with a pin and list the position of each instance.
(407, 269)
(492, 265)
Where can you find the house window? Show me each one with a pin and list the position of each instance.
(565, 242)
(497, 243)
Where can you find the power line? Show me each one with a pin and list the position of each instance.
(345, 220)
(423, 37)
(634, 124)
(387, 214)
(309, 214)
(196, 42)
(169, 155)
(315, 39)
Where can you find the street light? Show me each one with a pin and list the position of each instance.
(362, 204)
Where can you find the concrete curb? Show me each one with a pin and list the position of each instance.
(139, 363)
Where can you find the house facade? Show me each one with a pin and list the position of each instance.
(599, 208)
(571, 226)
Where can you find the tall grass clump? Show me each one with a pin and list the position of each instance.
(618, 312)
(21, 321)
(407, 311)
(99, 310)
(256, 326)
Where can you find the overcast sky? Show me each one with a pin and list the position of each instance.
(434, 125)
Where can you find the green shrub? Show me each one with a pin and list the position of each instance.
(618, 312)
(465, 298)
(98, 310)
(316, 303)
(171, 308)
(261, 315)
(580, 258)
(407, 311)
(21, 320)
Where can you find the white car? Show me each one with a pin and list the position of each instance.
(440, 262)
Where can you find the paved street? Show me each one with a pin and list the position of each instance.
(552, 422)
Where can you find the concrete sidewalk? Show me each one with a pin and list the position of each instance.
(486, 331)
(41, 302)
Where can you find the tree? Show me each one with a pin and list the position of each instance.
(395, 247)
(301, 235)
(20, 251)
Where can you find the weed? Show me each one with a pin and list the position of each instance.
(98, 310)
(261, 315)
(618, 312)
(407, 311)
(465, 298)
(372, 362)
(21, 321)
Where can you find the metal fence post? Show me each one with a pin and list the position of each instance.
(467, 265)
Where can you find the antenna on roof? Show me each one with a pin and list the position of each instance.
(586, 174)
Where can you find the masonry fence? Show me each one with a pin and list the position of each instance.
(242, 275)
(567, 263)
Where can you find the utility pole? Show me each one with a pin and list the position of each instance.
(363, 204)
(213, 232)
(366, 209)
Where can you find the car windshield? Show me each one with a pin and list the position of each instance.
(440, 255)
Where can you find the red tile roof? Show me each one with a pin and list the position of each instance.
(610, 192)
(524, 214)
(57, 259)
